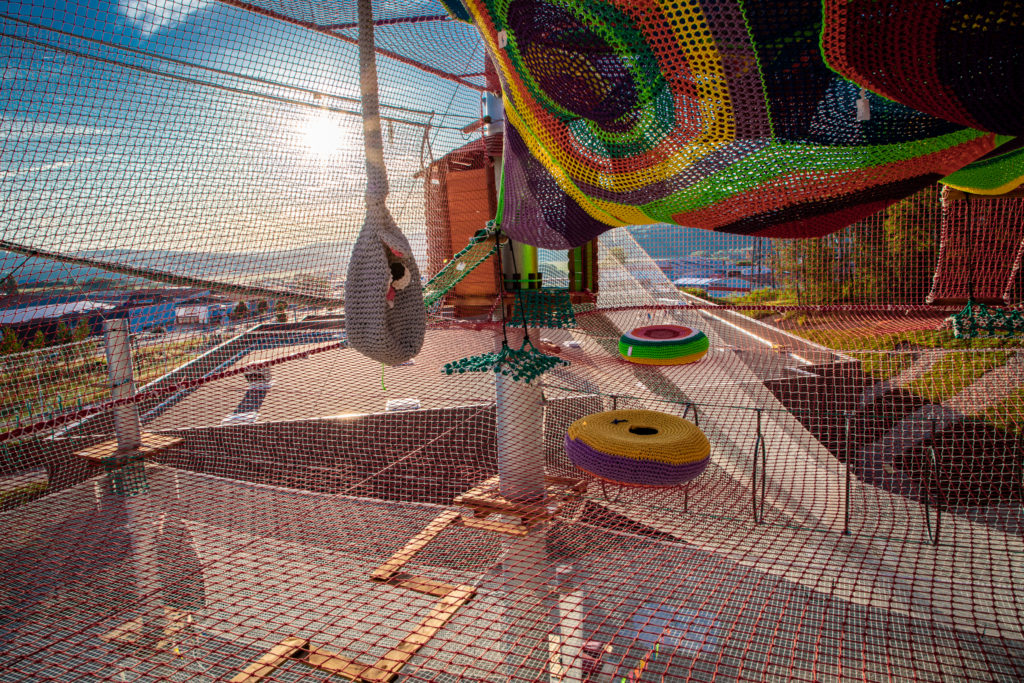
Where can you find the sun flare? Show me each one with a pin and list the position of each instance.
(322, 136)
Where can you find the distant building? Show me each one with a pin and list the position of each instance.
(717, 286)
(50, 312)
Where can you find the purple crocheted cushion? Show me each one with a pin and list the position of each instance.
(630, 471)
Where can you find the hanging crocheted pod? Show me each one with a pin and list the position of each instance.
(384, 314)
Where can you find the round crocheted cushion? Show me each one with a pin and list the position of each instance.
(638, 447)
(663, 345)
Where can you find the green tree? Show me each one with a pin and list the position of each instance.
(911, 231)
(262, 307)
(10, 343)
(281, 309)
(82, 330)
(10, 286)
(38, 341)
(64, 334)
(240, 311)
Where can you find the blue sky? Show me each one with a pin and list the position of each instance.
(98, 156)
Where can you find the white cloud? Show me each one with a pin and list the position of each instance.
(149, 16)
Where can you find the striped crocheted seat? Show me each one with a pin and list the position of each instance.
(663, 345)
(638, 447)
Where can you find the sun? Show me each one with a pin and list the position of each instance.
(322, 135)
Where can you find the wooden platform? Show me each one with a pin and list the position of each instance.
(485, 499)
(151, 445)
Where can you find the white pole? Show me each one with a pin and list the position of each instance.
(528, 607)
(528, 574)
(570, 612)
(129, 438)
(119, 370)
(520, 438)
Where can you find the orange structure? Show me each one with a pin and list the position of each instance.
(460, 199)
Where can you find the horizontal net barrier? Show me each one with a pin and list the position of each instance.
(183, 183)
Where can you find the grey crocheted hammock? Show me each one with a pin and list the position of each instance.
(384, 313)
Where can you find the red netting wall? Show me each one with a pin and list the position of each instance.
(292, 510)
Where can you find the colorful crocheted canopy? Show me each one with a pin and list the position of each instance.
(959, 61)
(719, 115)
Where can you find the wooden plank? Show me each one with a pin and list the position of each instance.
(133, 632)
(388, 666)
(269, 662)
(421, 584)
(151, 445)
(333, 663)
(486, 499)
(387, 570)
(576, 484)
(495, 526)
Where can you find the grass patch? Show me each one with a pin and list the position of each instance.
(757, 314)
(1008, 413)
(883, 365)
(697, 292)
(956, 372)
(72, 376)
(870, 340)
(22, 494)
(768, 297)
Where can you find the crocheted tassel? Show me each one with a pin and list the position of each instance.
(523, 365)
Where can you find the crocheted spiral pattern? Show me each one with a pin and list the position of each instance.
(638, 447)
(663, 345)
(719, 115)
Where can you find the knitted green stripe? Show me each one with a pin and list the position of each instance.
(665, 350)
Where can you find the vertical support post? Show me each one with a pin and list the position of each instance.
(849, 478)
(528, 607)
(570, 623)
(760, 463)
(933, 480)
(527, 571)
(520, 438)
(140, 521)
(519, 266)
(119, 371)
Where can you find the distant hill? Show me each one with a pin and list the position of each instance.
(40, 271)
(664, 241)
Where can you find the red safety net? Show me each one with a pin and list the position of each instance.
(982, 245)
(200, 480)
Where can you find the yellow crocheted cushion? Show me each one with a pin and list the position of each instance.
(642, 435)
